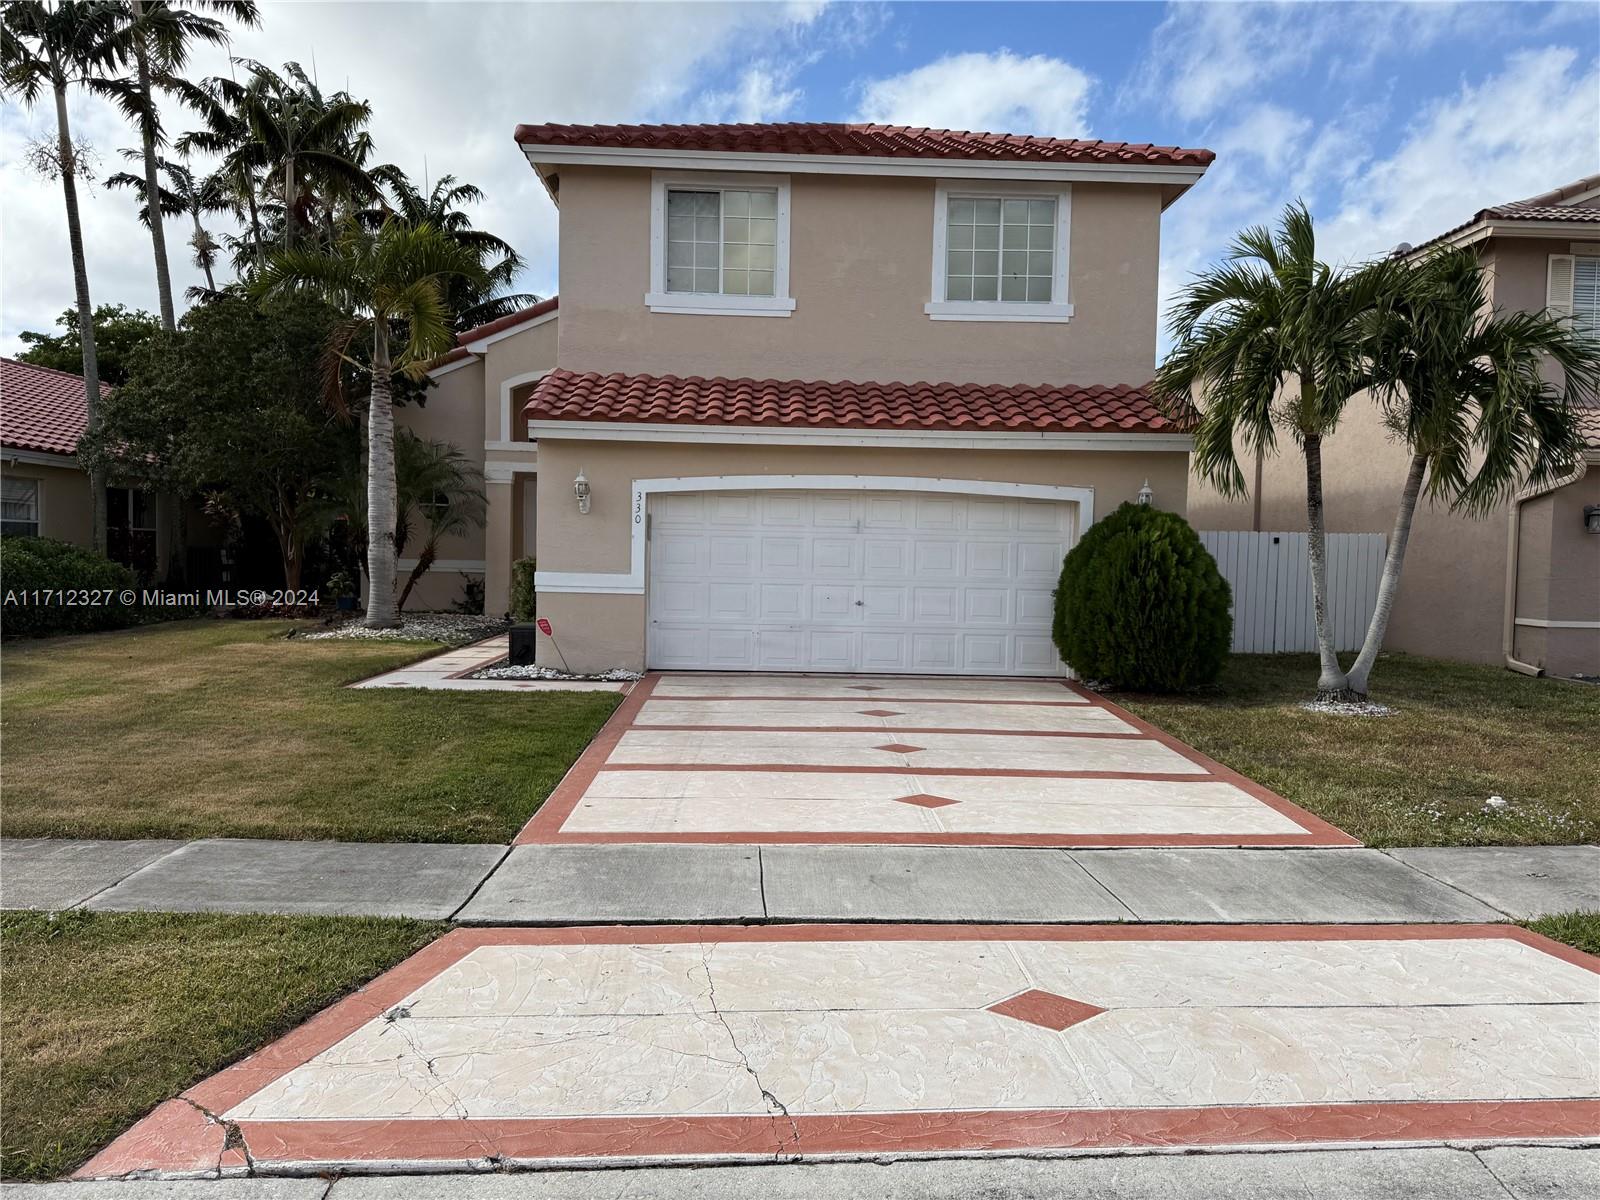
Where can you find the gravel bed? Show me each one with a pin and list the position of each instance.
(504, 670)
(453, 629)
(1345, 708)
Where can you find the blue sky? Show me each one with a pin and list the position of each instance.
(1393, 121)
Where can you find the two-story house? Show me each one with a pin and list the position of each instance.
(1521, 584)
(823, 397)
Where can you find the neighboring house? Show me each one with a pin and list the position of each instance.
(46, 492)
(471, 408)
(1520, 586)
(839, 397)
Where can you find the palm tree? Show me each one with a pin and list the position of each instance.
(441, 207)
(305, 138)
(1463, 386)
(442, 487)
(226, 133)
(392, 280)
(162, 34)
(1272, 338)
(51, 48)
(183, 194)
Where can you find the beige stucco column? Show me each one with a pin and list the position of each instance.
(497, 546)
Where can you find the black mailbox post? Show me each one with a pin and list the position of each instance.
(523, 644)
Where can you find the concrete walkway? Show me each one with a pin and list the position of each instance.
(1437, 1173)
(449, 672)
(579, 884)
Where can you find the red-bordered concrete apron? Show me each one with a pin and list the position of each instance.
(1527, 1084)
(848, 747)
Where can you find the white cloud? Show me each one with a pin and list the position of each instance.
(999, 92)
(447, 84)
(761, 93)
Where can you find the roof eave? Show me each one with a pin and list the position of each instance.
(1179, 175)
(1483, 228)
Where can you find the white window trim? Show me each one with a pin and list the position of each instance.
(658, 299)
(632, 582)
(1057, 312)
(38, 501)
(507, 386)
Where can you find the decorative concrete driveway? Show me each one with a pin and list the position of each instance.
(902, 760)
(502, 1047)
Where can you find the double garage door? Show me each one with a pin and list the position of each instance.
(898, 582)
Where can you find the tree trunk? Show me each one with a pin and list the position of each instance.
(1389, 585)
(1332, 683)
(205, 261)
(288, 203)
(152, 179)
(381, 610)
(255, 217)
(425, 558)
(80, 283)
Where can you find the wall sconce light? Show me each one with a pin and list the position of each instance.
(580, 489)
(1145, 494)
(1591, 518)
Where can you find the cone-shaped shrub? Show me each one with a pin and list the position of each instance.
(1142, 605)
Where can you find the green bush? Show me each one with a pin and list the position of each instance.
(524, 603)
(30, 566)
(1142, 605)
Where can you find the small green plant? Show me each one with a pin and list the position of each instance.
(342, 583)
(524, 603)
(1141, 604)
(41, 574)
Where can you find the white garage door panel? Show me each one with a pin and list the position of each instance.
(894, 582)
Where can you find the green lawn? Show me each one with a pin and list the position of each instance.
(105, 1015)
(1580, 929)
(1419, 778)
(227, 728)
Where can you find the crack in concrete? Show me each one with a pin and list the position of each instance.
(492, 1156)
(1504, 1186)
(775, 1106)
(232, 1135)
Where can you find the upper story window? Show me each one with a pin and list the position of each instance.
(21, 506)
(1000, 254)
(719, 245)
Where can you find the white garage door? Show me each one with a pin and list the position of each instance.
(915, 582)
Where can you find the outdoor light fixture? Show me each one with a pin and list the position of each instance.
(580, 489)
(1591, 518)
(1145, 494)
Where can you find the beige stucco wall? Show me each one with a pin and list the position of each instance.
(1558, 580)
(860, 271)
(513, 358)
(597, 632)
(66, 510)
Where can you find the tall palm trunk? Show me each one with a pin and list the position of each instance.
(152, 184)
(288, 203)
(1332, 683)
(1389, 585)
(249, 188)
(205, 261)
(381, 516)
(80, 283)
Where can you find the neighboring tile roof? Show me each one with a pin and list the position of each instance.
(489, 329)
(41, 408)
(1546, 206)
(876, 141)
(667, 399)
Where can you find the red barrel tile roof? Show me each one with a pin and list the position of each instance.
(490, 328)
(41, 408)
(668, 399)
(874, 141)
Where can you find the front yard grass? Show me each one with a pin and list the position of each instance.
(1580, 930)
(1421, 777)
(227, 729)
(105, 1015)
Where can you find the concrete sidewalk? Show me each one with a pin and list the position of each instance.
(561, 885)
(1505, 1173)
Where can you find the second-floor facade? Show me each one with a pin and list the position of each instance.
(839, 252)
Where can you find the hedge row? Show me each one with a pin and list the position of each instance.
(47, 586)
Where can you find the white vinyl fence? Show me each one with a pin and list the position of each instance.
(1271, 580)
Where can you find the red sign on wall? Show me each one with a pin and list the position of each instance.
(544, 627)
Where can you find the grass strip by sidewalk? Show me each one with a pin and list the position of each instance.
(1422, 777)
(105, 1015)
(1580, 930)
(228, 729)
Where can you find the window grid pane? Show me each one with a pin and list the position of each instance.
(1586, 293)
(1001, 249)
(19, 507)
(722, 242)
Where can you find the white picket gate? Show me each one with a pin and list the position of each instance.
(1271, 581)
